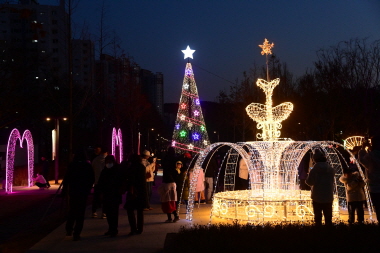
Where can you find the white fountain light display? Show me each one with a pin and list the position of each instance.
(273, 193)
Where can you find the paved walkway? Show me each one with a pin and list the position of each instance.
(92, 239)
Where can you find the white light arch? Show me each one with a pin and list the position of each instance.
(11, 148)
(117, 141)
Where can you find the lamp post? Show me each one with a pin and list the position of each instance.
(55, 147)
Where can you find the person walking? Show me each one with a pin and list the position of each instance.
(371, 161)
(321, 181)
(76, 186)
(136, 196)
(355, 194)
(98, 165)
(111, 185)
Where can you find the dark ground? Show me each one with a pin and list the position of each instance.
(26, 219)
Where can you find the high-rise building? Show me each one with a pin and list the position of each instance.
(35, 36)
(153, 86)
(83, 63)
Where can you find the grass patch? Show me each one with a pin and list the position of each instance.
(285, 236)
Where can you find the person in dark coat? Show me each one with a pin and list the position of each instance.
(77, 185)
(371, 161)
(136, 197)
(110, 184)
(321, 181)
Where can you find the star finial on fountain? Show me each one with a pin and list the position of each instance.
(188, 53)
(266, 47)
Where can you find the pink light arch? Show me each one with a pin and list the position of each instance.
(117, 140)
(11, 148)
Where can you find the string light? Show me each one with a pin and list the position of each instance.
(266, 47)
(269, 118)
(11, 151)
(117, 141)
(273, 193)
(189, 116)
(353, 141)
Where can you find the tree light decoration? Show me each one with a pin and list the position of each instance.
(11, 148)
(196, 136)
(269, 118)
(189, 119)
(117, 141)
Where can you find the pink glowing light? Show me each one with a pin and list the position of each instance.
(10, 159)
(117, 140)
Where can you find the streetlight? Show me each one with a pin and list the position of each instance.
(216, 132)
(55, 146)
(148, 135)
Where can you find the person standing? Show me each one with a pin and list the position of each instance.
(168, 189)
(321, 181)
(98, 165)
(243, 174)
(110, 185)
(212, 167)
(77, 185)
(354, 193)
(145, 161)
(136, 196)
(371, 161)
(150, 179)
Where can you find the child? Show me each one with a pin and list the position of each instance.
(355, 194)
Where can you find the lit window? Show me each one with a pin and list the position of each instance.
(34, 41)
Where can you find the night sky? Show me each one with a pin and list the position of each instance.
(226, 34)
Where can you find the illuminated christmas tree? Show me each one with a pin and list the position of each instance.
(190, 134)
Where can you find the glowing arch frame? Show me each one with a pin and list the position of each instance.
(117, 140)
(290, 157)
(11, 148)
(353, 141)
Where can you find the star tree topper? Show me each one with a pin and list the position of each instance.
(188, 53)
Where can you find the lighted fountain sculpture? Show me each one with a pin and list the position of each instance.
(273, 194)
